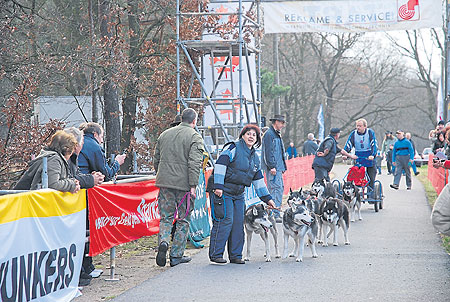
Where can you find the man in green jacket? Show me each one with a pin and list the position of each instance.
(177, 161)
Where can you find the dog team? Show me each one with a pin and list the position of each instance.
(311, 216)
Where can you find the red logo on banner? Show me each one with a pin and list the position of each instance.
(408, 11)
(234, 64)
(120, 213)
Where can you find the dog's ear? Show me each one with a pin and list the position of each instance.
(300, 191)
(290, 191)
(255, 211)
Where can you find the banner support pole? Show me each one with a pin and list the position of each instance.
(112, 265)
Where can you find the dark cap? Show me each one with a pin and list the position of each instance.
(176, 121)
(388, 132)
(441, 123)
(334, 131)
(278, 117)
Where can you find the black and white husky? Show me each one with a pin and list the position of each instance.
(298, 196)
(333, 214)
(299, 221)
(352, 199)
(323, 189)
(258, 220)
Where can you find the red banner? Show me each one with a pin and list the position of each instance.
(120, 213)
(437, 176)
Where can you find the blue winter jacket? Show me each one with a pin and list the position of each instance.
(92, 158)
(238, 167)
(403, 147)
(273, 151)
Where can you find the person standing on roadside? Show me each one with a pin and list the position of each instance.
(178, 160)
(236, 168)
(58, 153)
(413, 164)
(92, 156)
(86, 180)
(402, 155)
(291, 151)
(310, 146)
(365, 143)
(273, 162)
(389, 140)
(88, 270)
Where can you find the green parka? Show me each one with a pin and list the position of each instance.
(59, 176)
(178, 158)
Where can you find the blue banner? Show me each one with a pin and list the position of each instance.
(199, 227)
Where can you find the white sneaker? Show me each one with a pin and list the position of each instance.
(96, 273)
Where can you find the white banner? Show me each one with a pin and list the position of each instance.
(351, 16)
(228, 113)
(42, 248)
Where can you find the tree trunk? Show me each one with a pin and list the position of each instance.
(111, 111)
(131, 91)
(94, 87)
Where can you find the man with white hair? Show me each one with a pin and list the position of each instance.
(310, 146)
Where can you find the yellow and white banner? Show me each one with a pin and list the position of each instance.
(351, 16)
(42, 235)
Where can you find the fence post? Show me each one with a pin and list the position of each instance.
(112, 265)
(112, 251)
(135, 166)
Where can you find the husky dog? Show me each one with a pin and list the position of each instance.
(334, 214)
(322, 189)
(299, 221)
(258, 220)
(312, 203)
(352, 199)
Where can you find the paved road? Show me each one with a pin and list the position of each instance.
(395, 255)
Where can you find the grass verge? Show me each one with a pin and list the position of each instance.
(431, 197)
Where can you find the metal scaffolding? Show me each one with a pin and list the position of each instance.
(222, 132)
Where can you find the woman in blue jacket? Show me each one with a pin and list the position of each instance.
(237, 167)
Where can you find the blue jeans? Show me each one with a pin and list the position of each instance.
(276, 187)
(230, 229)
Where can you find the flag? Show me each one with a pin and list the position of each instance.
(440, 102)
(321, 122)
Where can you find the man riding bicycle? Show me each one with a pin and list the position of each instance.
(365, 143)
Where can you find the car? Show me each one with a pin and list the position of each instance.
(422, 159)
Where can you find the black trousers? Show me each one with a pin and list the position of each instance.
(372, 173)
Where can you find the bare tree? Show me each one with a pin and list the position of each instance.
(330, 51)
(421, 52)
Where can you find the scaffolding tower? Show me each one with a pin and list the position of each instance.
(220, 132)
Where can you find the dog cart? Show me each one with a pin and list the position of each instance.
(357, 174)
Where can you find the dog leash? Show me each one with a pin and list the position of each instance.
(188, 206)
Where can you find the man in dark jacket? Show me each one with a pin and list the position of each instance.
(86, 180)
(273, 162)
(324, 159)
(92, 156)
(178, 160)
(310, 146)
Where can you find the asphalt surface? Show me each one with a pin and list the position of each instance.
(395, 255)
